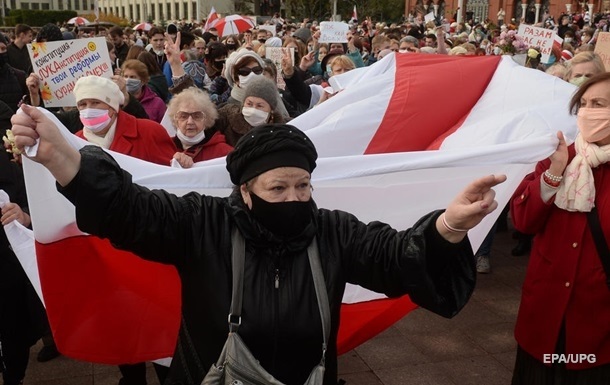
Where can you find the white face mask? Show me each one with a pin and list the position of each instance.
(254, 117)
(244, 80)
(497, 51)
(190, 140)
(93, 119)
(159, 53)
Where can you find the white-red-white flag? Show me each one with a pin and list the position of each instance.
(211, 20)
(402, 139)
(354, 18)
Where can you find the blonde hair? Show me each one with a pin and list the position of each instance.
(201, 99)
(342, 60)
(585, 57)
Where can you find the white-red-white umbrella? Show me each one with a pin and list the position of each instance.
(78, 21)
(233, 25)
(143, 27)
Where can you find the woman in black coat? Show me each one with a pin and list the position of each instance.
(273, 211)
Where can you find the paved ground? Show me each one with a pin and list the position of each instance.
(475, 347)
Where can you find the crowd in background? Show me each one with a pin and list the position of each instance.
(208, 90)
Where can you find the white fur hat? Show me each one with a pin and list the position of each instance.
(235, 58)
(99, 88)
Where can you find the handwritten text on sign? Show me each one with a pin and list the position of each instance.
(333, 32)
(60, 63)
(539, 38)
(602, 48)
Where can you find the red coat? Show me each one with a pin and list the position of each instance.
(215, 147)
(142, 139)
(565, 277)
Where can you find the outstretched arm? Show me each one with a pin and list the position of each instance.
(54, 152)
(469, 208)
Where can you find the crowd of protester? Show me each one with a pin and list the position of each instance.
(209, 90)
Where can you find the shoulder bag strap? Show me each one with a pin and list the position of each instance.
(321, 293)
(238, 256)
(600, 242)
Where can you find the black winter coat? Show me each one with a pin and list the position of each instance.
(281, 326)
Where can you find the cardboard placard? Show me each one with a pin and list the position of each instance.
(540, 38)
(602, 48)
(333, 32)
(429, 17)
(275, 55)
(59, 64)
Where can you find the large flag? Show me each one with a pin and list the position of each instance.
(403, 138)
(354, 18)
(211, 20)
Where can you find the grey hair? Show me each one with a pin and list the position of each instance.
(410, 39)
(201, 99)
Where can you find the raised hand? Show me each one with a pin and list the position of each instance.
(559, 159)
(469, 208)
(54, 152)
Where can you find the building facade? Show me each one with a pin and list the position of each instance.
(159, 10)
(533, 10)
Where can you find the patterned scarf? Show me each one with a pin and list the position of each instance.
(577, 189)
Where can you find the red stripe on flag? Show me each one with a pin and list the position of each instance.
(425, 102)
(106, 305)
(421, 114)
(362, 321)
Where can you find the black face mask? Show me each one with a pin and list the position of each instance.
(3, 59)
(231, 46)
(218, 64)
(285, 219)
(262, 41)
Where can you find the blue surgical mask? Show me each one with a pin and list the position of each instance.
(329, 70)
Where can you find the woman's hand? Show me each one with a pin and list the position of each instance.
(120, 81)
(184, 160)
(12, 212)
(469, 208)
(33, 84)
(54, 152)
(307, 61)
(172, 52)
(559, 159)
(287, 66)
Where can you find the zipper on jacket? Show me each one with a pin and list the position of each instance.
(277, 278)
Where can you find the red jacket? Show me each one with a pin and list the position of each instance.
(565, 277)
(142, 139)
(214, 147)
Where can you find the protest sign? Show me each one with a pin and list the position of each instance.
(602, 48)
(59, 64)
(333, 32)
(275, 55)
(429, 17)
(539, 38)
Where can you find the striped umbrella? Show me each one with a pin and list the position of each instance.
(233, 25)
(77, 21)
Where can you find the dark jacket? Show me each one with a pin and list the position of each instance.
(158, 85)
(282, 326)
(12, 86)
(232, 124)
(19, 58)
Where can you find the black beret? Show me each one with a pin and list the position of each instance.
(267, 147)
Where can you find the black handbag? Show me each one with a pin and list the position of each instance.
(600, 242)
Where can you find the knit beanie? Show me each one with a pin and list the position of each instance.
(268, 147)
(304, 34)
(273, 42)
(99, 88)
(263, 88)
(235, 58)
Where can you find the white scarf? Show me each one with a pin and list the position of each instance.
(577, 189)
(102, 141)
